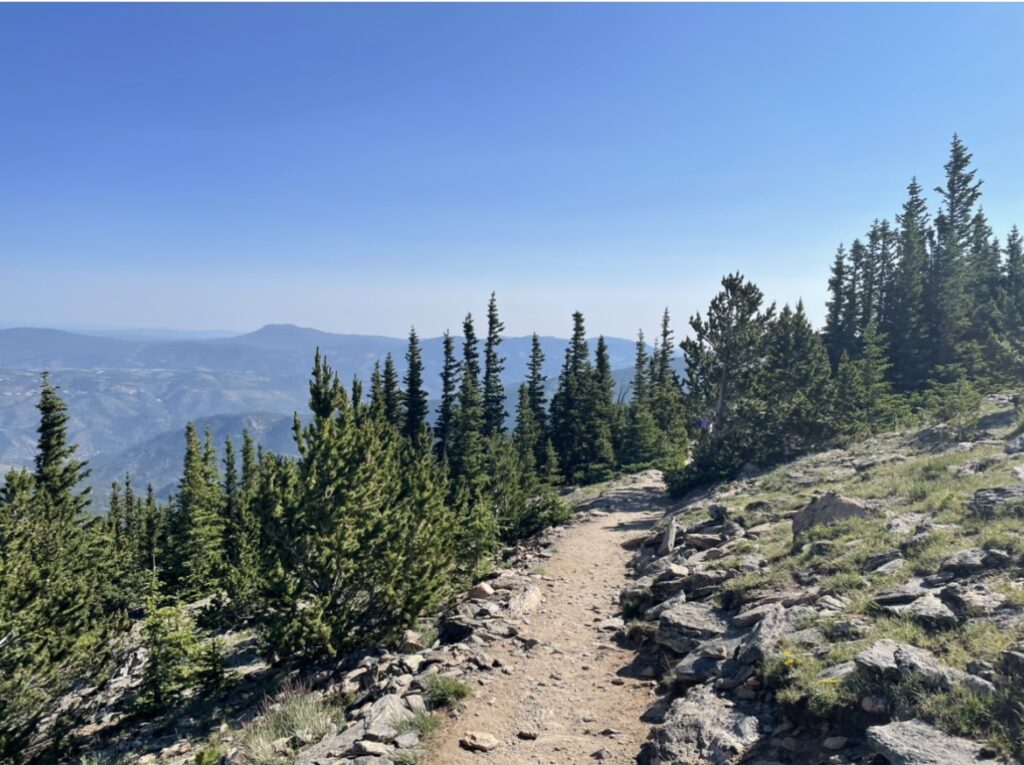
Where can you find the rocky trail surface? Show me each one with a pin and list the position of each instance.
(578, 693)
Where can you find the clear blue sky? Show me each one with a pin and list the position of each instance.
(361, 168)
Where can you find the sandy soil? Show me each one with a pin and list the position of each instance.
(578, 692)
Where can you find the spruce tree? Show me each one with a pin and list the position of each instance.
(600, 410)
(948, 314)
(570, 406)
(391, 394)
(839, 333)
(444, 425)
(536, 381)
(1013, 285)
(908, 327)
(494, 365)
(415, 425)
(642, 442)
(527, 434)
(794, 388)
(200, 505)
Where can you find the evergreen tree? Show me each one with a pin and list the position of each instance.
(527, 434)
(908, 327)
(444, 425)
(536, 381)
(169, 638)
(725, 351)
(948, 309)
(1013, 285)
(839, 331)
(794, 388)
(494, 365)
(642, 442)
(600, 411)
(466, 453)
(391, 394)
(231, 491)
(415, 425)
(571, 405)
(200, 506)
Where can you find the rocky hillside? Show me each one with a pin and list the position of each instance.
(860, 605)
(863, 605)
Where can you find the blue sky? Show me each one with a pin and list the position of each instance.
(360, 168)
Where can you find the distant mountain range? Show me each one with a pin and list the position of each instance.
(130, 394)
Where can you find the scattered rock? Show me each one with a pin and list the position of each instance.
(931, 612)
(682, 626)
(968, 561)
(915, 743)
(827, 509)
(482, 591)
(702, 727)
(476, 741)
(764, 637)
(873, 562)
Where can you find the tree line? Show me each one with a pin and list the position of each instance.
(387, 512)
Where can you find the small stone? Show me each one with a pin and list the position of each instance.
(834, 743)
(602, 754)
(528, 734)
(476, 741)
(481, 592)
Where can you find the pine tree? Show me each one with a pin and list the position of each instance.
(725, 351)
(878, 404)
(851, 416)
(795, 389)
(948, 308)
(231, 490)
(536, 381)
(377, 403)
(570, 405)
(391, 394)
(983, 285)
(527, 435)
(169, 638)
(494, 365)
(839, 333)
(599, 414)
(643, 441)
(444, 425)
(200, 505)
(908, 326)
(415, 425)
(58, 473)
(1013, 285)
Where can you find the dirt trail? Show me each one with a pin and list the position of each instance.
(578, 691)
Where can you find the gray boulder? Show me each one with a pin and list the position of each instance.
(384, 717)
(827, 509)
(931, 612)
(986, 501)
(915, 743)
(764, 637)
(683, 625)
(970, 561)
(702, 727)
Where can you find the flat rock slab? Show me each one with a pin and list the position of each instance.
(916, 743)
(683, 625)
